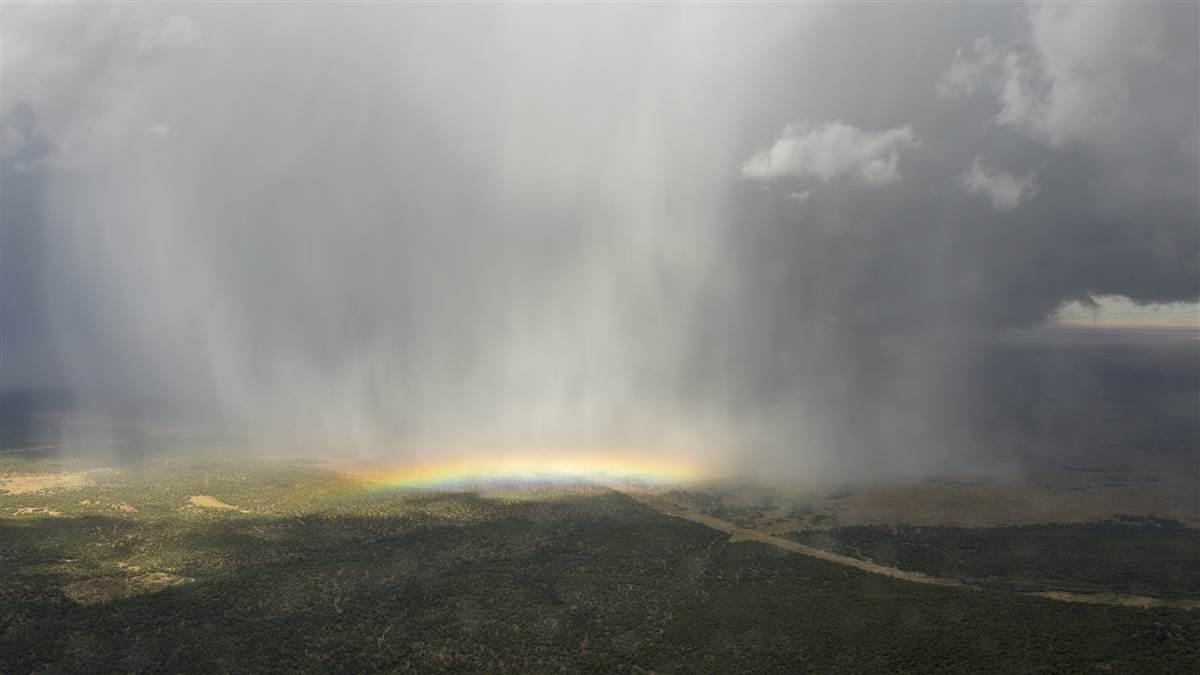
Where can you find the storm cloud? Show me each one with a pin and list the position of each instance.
(768, 232)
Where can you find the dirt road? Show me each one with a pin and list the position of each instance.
(737, 533)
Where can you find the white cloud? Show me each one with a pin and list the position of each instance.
(1120, 311)
(831, 150)
(1069, 78)
(1006, 190)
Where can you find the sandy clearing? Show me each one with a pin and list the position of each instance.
(207, 502)
(666, 507)
(47, 482)
(36, 511)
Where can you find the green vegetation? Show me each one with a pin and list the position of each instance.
(755, 506)
(310, 571)
(1138, 556)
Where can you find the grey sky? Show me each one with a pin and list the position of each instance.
(770, 229)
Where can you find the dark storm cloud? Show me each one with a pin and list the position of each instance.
(776, 231)
(865, 304)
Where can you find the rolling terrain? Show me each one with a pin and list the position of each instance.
(251, 567)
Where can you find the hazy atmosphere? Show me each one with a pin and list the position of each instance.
(599, 337)
(786, 238)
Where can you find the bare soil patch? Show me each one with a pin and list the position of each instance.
(207, 502)
(47, 482)
(36, 511)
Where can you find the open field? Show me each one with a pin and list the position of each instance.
(311, 568)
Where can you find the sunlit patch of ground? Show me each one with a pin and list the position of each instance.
(48, 482)
(36, 511)
(208, 502)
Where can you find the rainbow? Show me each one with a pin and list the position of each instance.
(536, 467)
